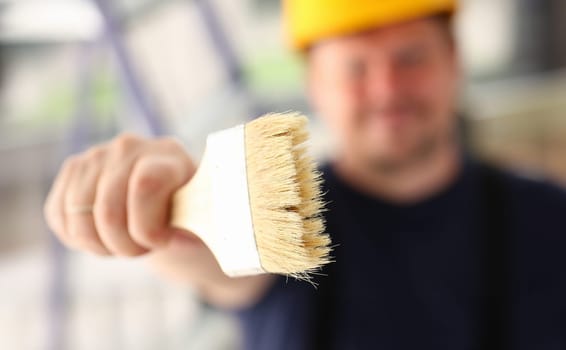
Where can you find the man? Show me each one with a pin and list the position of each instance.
(434, 250)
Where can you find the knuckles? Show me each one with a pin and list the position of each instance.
(96, 155)
(149, 178)
(70, 164)
(125, 144)
(170, 144)
(144, 184)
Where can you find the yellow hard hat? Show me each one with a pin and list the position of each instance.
(311, 20)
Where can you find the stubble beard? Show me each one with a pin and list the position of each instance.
(424, 150)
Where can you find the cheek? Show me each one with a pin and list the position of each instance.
(446, 98)
(437, 92)
(340, 109)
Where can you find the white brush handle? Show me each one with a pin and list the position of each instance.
(215, 204)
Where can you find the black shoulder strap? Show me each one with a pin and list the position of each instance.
(495, 263)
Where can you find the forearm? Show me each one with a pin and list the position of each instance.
(189, 261)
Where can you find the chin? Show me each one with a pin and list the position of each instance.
(391, 151)
(395, 154)
(386, 159)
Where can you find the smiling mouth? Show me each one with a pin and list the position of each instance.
(395, 118)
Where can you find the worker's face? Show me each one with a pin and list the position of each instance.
(387, 94)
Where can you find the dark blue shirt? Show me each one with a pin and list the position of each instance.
(408, 276)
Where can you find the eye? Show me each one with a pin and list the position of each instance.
(411, 57)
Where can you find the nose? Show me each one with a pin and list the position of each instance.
(382, 83)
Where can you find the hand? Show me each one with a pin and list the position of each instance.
(114, 199)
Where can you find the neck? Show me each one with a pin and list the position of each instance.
(411, 182)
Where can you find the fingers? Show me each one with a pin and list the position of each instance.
(153, 181)
(110, 211)
(81, 193)
(128, 183)
(54, 209)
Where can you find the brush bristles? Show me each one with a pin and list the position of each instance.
(285, 196)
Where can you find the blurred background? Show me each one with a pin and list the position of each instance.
(78, 72)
